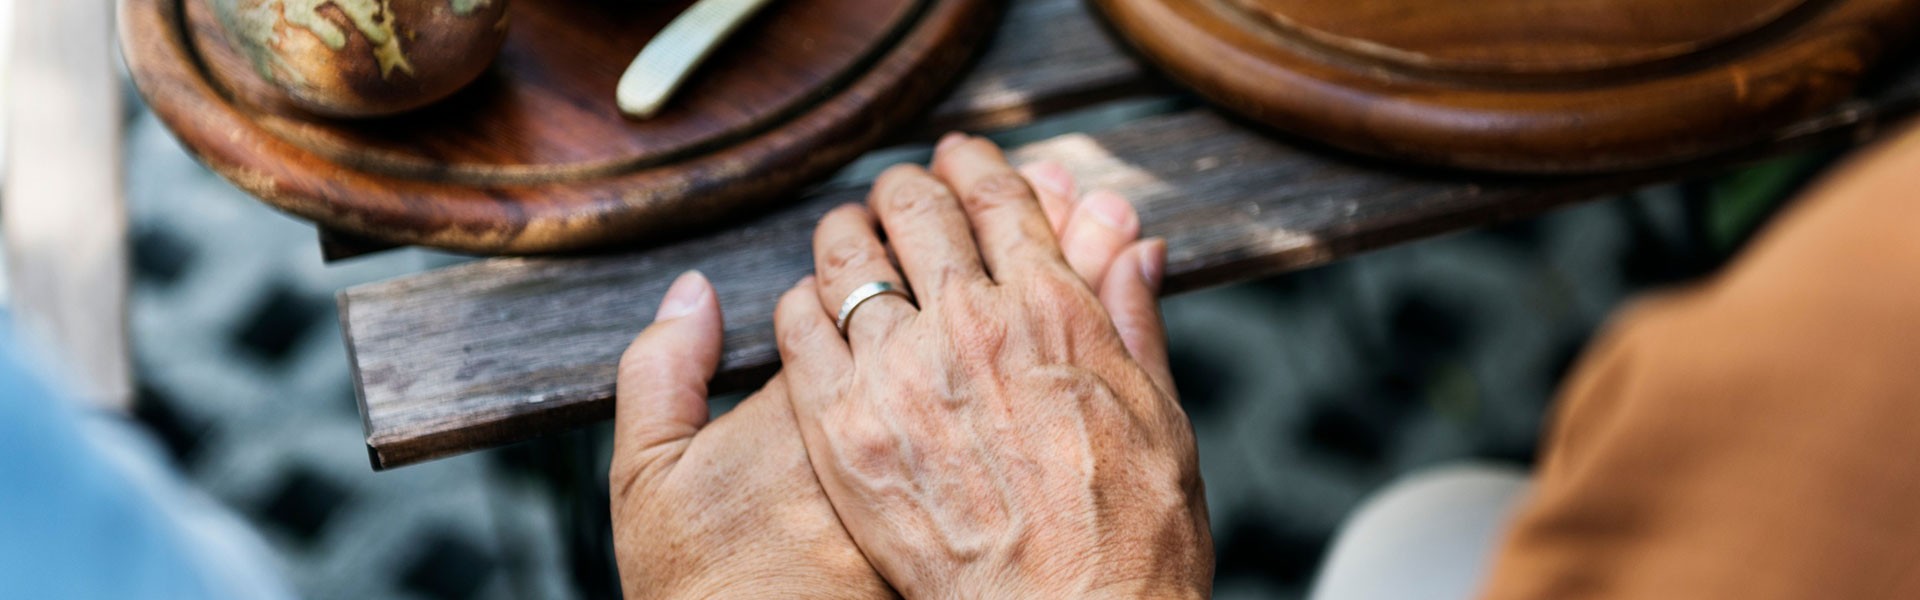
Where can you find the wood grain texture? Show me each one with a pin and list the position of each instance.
(546, 112)
(501, 350)
(63, 215)
(1047, 56)
(1522, 36)
(1521, 85)
(535, 156)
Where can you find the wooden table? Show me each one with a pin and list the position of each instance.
(505, 349)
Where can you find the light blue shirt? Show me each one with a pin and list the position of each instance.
(90, 509)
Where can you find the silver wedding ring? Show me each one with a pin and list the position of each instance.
(866, 291)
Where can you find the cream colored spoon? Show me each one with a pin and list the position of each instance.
(673, 55)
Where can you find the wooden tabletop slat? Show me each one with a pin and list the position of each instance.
(501, 350)
(1046, 57)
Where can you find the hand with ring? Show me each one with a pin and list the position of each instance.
(732, 507)
(1009, 431)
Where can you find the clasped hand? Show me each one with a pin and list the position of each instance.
(1011, 432)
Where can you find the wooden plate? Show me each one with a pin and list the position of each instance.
(535, 156)
(1520, 85)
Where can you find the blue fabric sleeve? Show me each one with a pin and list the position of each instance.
(89, 509)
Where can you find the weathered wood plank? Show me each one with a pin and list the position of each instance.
(501, 350)
(64, 222)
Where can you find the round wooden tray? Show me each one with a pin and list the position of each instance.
(535, 156)
(1542, 86)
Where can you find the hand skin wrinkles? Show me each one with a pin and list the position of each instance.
(1031, 396)
(689, 497)
(998, 439)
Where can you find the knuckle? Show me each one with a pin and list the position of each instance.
(1062, 292)
(641, 364)
(867, 446)
(636, 353)
(794, 300)
(794, 296)
(999, 189)
(852, 213)
(799, 336)
(637, 369)
(896, 174)
(950, 279)
(913, 197)
(1078, 383)
(977, 336)
(846, 254)
(794, 327)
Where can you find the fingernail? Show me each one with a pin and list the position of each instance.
(687, 293)
(1051, 178)
(948, 141)
(1153, 262)
(1109, 209)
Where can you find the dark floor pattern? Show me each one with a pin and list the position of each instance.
(1307, 390)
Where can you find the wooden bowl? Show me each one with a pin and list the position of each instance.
(357, 58)
(535, 156)
(1537, 86)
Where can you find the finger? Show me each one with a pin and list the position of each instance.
(929, 233)
(1055, 188)
(812, 354)
(660, 391)
(1131, 294)
(817, 368)
(1008, 223)
(847, 254)
(1099, 228)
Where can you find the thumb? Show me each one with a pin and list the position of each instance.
(660, 393)
(1131, 293)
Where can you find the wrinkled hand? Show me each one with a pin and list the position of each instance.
(1010, 436)
(732, 508)
(726, 509)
